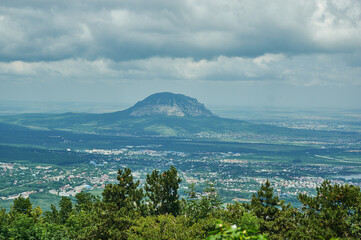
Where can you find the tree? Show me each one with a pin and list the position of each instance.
(162, 192)
(276, 218)
(22, 205)
(66, 206)
(85, 201)
(203, 206)
(103, 221)
(335, 211)
(126, 193)
(238, 215)
(22, 226)
(4, 221)
(52, 216)
(264, 203)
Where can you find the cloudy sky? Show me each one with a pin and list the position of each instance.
(259, 53)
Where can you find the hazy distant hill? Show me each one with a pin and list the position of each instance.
(169, 104)
(161, 114)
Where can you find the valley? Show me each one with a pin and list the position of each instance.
(62, 164)
(47, 156)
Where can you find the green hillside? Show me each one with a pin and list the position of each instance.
(119, 123)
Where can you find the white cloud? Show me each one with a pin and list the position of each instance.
(337, 23)
(268, 58)
(234, 42)
(299, 70)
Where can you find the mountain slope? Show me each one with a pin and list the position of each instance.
(169, 104)
(161, 114)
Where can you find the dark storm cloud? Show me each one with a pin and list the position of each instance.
(126, 30)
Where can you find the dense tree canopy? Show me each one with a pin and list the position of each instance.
(127, 211)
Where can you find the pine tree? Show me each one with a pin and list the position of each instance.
(334, 212)
(265, 204)
(203, 206)
(126, 193)
(276, 218)
(22, 205)
(162, 192)
(85, 201)
(66, 206)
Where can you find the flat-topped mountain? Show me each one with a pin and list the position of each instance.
(169, 104)
(161, 114)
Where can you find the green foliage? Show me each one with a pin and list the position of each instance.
(129, 212)
(4, 219)
(52, 216)
(25, 222)
(165, 227)
(22, 227)
(334, 212)
(276, 219)
(238, 215)
(50, 231)
(22, 205)
(126, 193)
(162, 192)
(203, 206)
(265, 204)
(104, 221)
(234, 233)
(66, 206)
(85, 201)
(25, 227)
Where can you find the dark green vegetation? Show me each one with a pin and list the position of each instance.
(39, 155)
(128, 211)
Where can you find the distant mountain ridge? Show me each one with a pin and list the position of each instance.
(169, 104)
(162, 115)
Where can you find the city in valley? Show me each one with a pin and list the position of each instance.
(235, 175)
(58, 155)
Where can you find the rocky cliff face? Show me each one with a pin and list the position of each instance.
(169, 104)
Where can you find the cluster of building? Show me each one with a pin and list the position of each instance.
(130, 151)
(235, 173)
(68, 190)
(23, 194)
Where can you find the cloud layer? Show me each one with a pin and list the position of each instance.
(306, 70)
(127, 30)
(299, 43)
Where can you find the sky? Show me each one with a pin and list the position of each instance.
(278, 53)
